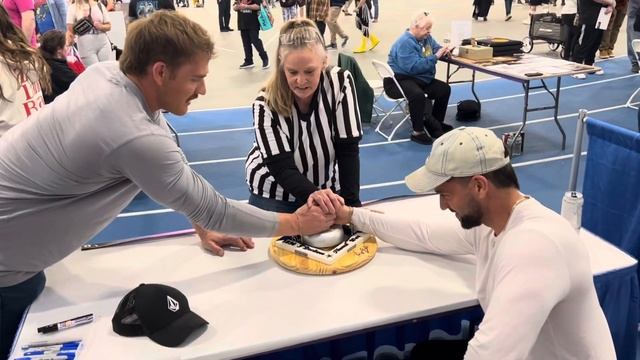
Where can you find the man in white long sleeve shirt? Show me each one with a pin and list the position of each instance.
(533, 276)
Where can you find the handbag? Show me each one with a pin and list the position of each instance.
(468, 110)
(263, 19)
(74, 62)
(83, 25)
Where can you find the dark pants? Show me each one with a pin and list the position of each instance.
(587, 45)
(439, 350)
(322, 26)
(415, 89)
(274, 205)
(251, 37)
(481, 8)
(610, 36)
(224, 13)
(14, 300)
(570, 34)
(507, 6)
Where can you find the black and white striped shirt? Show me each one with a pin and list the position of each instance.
(310, 138)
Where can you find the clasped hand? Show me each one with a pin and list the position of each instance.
(319, 213)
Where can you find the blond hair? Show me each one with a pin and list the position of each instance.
(294, 35)
(165, 36)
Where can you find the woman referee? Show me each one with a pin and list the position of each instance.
(307, 128)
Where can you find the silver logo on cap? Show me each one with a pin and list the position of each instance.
(172, 304)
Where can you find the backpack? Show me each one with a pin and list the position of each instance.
(468, 110)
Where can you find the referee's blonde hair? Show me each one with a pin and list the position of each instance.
(294, 35)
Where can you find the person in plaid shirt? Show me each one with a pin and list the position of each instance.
(318, 11)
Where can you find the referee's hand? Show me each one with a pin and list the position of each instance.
(323, 198)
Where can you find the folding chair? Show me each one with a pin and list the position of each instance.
(384, 71)
(635, 45)
(378, 92)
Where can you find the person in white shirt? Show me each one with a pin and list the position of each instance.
(533, 276)
(24, 74)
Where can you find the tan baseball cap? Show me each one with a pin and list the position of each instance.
(464, 151)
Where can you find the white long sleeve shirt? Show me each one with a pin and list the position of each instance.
(533, 281)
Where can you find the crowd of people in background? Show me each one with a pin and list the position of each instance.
(582, 40)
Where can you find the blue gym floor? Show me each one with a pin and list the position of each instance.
(216, 142)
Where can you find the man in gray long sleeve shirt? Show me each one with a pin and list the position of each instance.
(66, 173)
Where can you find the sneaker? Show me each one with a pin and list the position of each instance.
(508, 17)
(375, 20)
(603, 54)
(421, 138)
(229, 29)
(332, 46)
(599, 72)
(610, 53)
(344, 41)
(265, 64)
(246, 65)
(485, 18)
(579, 76)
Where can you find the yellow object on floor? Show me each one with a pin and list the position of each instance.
(374, 41)
(355, 258)
(363, 46)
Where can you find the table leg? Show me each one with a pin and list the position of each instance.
(555, 113)
(525, 111)
(556, 104)
(473, 89)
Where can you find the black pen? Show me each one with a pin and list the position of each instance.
(84, 319)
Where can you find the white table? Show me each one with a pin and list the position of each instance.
(252, 304)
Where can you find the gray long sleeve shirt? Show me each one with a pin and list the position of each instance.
(67, 172)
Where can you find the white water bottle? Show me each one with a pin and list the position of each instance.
(571, 210)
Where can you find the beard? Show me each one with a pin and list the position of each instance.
(473, 218)
(470, 221)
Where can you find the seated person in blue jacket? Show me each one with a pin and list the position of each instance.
(533, 273)
(307, 128)
(413, 59)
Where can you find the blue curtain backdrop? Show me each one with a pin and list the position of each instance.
(611, 185)
(612, 209)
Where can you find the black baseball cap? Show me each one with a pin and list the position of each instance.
(158, 311)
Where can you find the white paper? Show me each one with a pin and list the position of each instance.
(603, 19)
(460, 30)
